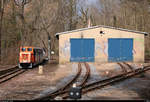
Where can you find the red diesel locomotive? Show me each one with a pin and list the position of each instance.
(30, 56)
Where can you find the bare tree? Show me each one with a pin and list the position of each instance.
(21, 4)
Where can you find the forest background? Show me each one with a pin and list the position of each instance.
(31, 22)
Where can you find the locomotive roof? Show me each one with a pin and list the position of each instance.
(31, 47)
(37, 48)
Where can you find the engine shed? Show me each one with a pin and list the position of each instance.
(101, 44)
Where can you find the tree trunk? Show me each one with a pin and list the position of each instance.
(23, 26)
(1, 23)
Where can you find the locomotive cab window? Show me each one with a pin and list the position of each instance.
(29, 49)
(23, 49)
(34, 51)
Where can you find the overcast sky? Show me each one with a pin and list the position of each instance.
(86, 3)
(92, 1)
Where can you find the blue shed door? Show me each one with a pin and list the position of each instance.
(127, 49)
(82, 50)
(120, 49)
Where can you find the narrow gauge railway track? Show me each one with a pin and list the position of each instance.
(62, 89)
(8, 74)
(112, 80)
(125, 66)
(122, 67)
(8, 70)
(117, 79)
(87, 75)
(103, 83)
(129, 66)
(65, 89)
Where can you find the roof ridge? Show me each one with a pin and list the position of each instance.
(81, 29)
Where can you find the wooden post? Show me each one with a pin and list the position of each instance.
(40, 69)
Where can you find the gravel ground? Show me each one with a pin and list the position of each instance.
(94, 76)
(31, 85)
(61, 82)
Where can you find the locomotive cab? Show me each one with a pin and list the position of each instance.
(26, 57)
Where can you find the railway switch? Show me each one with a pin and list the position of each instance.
(75, 92)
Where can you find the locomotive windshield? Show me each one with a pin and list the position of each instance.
(23, 49)
(29, 49)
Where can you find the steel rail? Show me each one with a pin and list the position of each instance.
(2, 72)
(129, 66)
(66, 89)
(123, 68)
(74, 79)
(108, 81)
(13, 75)
(10, 73)
(62, 89)
(85, 79)
(7, 74)
(87, 75)
(129, 75)
(103, 83)
(111, 78)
